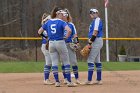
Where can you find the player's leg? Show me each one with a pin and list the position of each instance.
(64, 75)
(63, 71)
(47, 66)
(73, 62)
(90, 61)
(98, 65)
(63, 51)
(96, 46)
(75, 71)
(55, 59)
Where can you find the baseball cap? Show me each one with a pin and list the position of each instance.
(93, 10)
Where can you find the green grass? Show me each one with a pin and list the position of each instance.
(120, 66)
(113, 66)
(21, 67)
(35, 67)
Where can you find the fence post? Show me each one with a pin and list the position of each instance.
(116, 50)
(36, 50)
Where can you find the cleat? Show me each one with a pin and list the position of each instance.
(71, 84)
(48, 82)
(77, 81)
(57, 84)
(88, 83)
(66, 81)
(98, 82)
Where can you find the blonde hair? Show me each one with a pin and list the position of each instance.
(69, 18)
(45, 17)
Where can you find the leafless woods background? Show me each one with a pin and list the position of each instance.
(21, 18)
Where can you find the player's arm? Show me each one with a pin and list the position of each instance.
(95, 32)
(75, 36)
(40, 32)
(75, 39)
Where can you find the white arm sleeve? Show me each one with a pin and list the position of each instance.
(97, 21)
(75, 32)
(74, 29)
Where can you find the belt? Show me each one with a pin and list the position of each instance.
(56, 40)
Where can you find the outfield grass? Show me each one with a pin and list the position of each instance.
(36, 67)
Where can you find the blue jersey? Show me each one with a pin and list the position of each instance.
(55, 29)
(96, 25)
(72, 27)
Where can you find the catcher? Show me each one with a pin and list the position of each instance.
(95, 43)
(72, 43)
(44, 49)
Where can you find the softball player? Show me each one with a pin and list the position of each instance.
(95, 43)
(72, 53)
(48, 64)
(57, 47)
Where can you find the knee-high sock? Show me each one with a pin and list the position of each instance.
(75, 71)
(67, 72)
(55, 73)
(99, 71)
(90, 71)
(46, 72)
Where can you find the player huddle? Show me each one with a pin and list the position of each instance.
(59, 34)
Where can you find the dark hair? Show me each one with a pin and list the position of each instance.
(55, 9)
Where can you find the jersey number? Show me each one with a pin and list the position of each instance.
(53, 29)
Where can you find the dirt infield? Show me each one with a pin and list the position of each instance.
(113, 82)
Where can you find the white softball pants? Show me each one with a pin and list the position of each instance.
(46, 55)
(56, 49)
(94, 56)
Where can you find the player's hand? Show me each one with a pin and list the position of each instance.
(89, 46)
